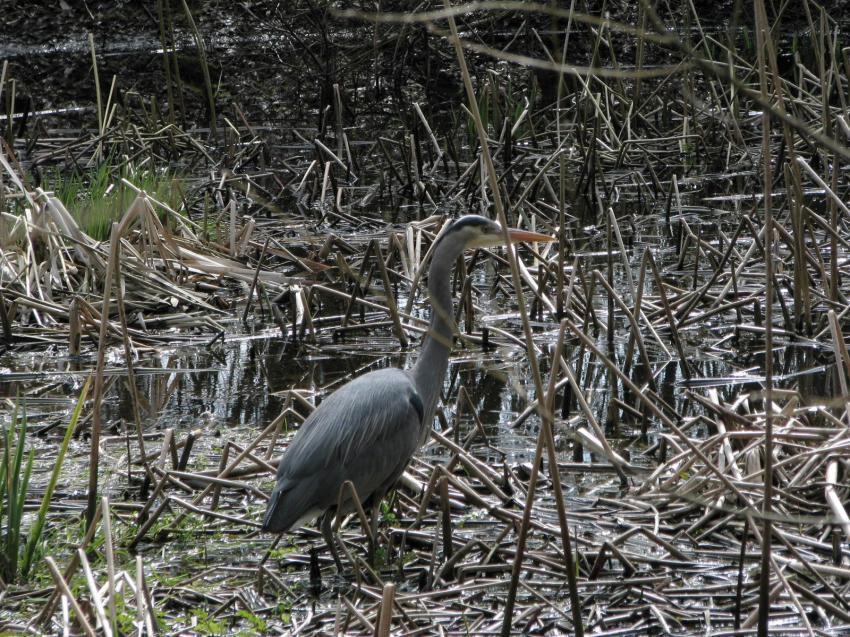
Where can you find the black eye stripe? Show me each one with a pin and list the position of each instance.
(470, 220)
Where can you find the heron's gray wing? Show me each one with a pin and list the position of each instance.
(365, 432)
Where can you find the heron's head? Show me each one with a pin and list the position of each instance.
(475, 231)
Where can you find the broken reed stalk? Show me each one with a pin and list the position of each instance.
(94, 452)
(9, 121)
(254, 281)
(547, 416)
(97, 94)
(650, 400)
(385, 617)
(635, 331)
(128, 355)
(763, 36)
(202, 61)
(610, 318)
(495, 192)
(723, 74)
(232, 228)
(96, 597)
(740, 585)
(562, 178)
(834, 280)
(624, 255)
(446, 519)
(166, 61)
(47, 610)
(392, 307)
(637, 311)
(62, 586)
(842, 359)
(659, 282)
(74, 328)
(205, 492)
(110, 561)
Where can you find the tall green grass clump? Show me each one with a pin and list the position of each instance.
(14, 482)
(97, 197)
(16, 556)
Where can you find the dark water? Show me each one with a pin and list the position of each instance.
(234, 388)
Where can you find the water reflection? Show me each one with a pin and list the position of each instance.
(239, 385)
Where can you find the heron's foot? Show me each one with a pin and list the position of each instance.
(315, 574)
(330, 540)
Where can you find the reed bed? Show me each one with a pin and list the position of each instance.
(671, 456)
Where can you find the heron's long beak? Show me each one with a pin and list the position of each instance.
(526, 235)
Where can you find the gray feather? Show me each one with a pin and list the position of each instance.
(365, 432)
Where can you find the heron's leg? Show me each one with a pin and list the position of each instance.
(315, 573)
(328, 534)
(373, 532)
(377, 498)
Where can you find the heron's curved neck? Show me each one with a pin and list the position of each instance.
(429, 372)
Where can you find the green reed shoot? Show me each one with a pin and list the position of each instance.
(17, 558)
(14, 481)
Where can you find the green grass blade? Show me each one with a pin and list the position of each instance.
(19, 510)
(16, 497)
(41, 517)
(4, 473)
(4, 505)
(12, 500)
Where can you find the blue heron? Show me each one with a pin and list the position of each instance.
(368, 429)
